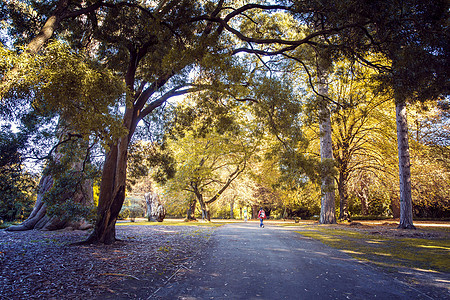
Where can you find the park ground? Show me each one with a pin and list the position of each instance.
(36, 264)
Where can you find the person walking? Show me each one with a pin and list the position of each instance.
(261, 216)
(245, 214)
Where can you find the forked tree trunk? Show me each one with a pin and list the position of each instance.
(204, 209)
(406, 216)
(327, 210)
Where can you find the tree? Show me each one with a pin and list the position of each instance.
(148, 37)
(19, 13)
(153, 45)
(361, 124)
(418, 50)
(411, 34)
(211, 152)
(80, 125)
(17, 185)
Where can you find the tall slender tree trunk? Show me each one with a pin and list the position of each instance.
(232, 208)
(406, 216)
(327, 210)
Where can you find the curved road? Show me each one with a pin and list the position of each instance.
(248, 262)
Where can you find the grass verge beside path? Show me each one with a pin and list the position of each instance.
(425, 249)
(171, 222)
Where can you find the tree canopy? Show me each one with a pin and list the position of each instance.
(265, 79)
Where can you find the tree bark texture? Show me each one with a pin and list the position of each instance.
(155, 210)
(327, 210)
(40, 219)
(112, 188)
(40, 208)
(255, 210)
(406, 216)
(364, 198)
(111, 198)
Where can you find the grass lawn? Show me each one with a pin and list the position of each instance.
(172, 222)
(386, 246)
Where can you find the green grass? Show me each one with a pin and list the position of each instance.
(388, 252)
(171, 222)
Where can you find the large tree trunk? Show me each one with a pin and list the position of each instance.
(40, 208)
(406, 216)
(204, 209)
(112, 194)
(190, 214)
(39, 219)
(155, 210)
(82, 194)
(327, 210)
(112, 188)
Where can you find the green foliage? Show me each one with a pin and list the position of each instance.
(211, 141)
(79, 77)
(17, 186)
(132, 208)
(303, 201)
(153, 158)
(73, 175)
(63, 82)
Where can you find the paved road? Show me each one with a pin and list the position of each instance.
(248, 262)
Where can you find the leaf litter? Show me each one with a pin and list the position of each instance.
(44, 265)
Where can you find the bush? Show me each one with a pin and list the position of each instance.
(132, 208)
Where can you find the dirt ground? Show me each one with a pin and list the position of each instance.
(39, 264)
(43, 265)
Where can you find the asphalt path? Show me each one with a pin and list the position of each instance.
(248, 262)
